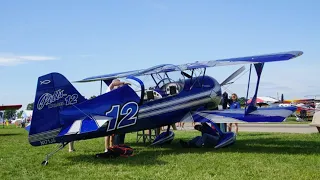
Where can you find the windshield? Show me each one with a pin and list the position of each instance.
(162, 85)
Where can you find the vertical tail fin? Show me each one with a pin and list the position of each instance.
(54, 92)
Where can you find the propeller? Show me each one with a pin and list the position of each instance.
(232, 76)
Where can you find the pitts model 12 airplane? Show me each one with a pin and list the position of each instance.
(61, 114)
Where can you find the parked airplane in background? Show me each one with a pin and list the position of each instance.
(61, 114)
(7, 107)
(305, 107)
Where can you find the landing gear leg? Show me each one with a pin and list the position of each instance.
(164, 138)
(46, 160)
(225, 139)
(168, 129)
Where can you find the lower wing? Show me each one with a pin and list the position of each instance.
(277, 114)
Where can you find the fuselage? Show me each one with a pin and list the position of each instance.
(122, 111)
(201, 92)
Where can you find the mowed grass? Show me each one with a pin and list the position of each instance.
(253, 156)
(292, 120)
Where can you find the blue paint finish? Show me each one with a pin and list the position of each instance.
(50, 98)
(204, 64)
(141, 87)
(261, 117)
(56, 107)
(226, 139)
(235, 105)
(88, 125)
(58, 104)
(163, 138)
(252, 106)
(64, 130)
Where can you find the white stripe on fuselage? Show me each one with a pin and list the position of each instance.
(175, 101)
(75, 127)
(218, 118)
(178, 107)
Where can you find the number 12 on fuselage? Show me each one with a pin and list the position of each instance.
(122, 117)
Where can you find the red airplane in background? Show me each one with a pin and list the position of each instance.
(10, 107)
(7, 107)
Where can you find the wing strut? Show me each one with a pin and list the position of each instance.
(248, 88)
(204, 73)
(252, 107)
(100, 87)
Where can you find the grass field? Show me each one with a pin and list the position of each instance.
(292, 120)
(254, 156)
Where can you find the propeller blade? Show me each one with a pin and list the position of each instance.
(233, 75)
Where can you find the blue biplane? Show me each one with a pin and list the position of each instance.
(61, 114)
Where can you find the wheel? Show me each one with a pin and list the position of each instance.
(44, 163)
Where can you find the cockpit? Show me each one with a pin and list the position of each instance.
(169, 89)
(161, 82)
(157, 86)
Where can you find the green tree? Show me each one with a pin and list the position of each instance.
(30, 106)
(92, 97)
(242, 100)
(9, 113)
(19, 114)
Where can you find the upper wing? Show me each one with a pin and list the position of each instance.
(123, 74)
(203, 64)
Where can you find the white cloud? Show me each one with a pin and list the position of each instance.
(13, 59)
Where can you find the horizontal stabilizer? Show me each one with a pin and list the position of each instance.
(85, 125)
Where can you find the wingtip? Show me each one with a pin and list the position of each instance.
(296, 53)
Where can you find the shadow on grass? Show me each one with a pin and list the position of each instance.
(147, 155)
(12, 134)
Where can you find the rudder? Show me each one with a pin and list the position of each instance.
(54, 92)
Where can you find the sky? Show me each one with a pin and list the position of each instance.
(85, 38)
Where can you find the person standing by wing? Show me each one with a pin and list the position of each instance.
(234, 104)
(109, 140)
(116, 83)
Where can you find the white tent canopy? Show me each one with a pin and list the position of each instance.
(27, 113)
(268, 99)
(264, 99)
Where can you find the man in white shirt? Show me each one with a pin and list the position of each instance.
(116, 83)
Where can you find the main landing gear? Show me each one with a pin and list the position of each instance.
(164, 138)
(46, 160)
